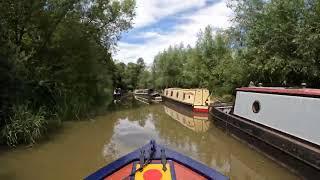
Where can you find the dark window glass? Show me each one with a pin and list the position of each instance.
(256, 106)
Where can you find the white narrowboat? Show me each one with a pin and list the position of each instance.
(196, 99)
(283, 121)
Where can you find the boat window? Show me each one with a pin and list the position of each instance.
(184, 96)
(256, 106)
(177, 94)
(167, 92)
(171, 93)
(189, 96)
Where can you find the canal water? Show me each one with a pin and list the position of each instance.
(82, 147)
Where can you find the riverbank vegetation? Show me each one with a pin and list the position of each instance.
(55, 62)
(271, 42)
(132, 75)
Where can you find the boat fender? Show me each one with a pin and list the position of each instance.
(163, 160)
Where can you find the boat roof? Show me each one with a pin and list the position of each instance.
(187, 89)
(308, 92)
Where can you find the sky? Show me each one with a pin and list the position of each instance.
(161, 23)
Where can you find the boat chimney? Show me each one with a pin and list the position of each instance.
(251, 84)
(304, 85)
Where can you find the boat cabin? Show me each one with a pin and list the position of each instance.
(194, 97)
(143, 91)
(291, 111)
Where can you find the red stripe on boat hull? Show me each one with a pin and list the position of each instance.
(201, 110)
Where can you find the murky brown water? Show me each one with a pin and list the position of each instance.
(83, 147)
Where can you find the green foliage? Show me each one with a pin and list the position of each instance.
(211, 64)
(24, 126)
(145, 80)
(167, 67)
(278, 39)
(57, 54)
(273, 42)
(131, 76)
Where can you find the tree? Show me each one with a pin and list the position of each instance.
(273, 42)
(130, 76)
(58, 55)
(278, 39)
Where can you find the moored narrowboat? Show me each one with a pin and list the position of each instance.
(141, 92)
(195, 99)
(148, 95)
(155, 162)
(156, 97)
(281, 122)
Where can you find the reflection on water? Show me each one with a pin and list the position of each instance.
(197, 122)
(85, 146)
(128, 135)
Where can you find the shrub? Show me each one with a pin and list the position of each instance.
(24, 126)
(227, 98)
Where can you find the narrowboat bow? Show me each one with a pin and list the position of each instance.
(154, 162)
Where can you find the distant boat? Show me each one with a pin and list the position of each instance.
(117, 93)
(155, 162)
(149, 95)
(195, 99)
(141, 91)
(282, 122)
(156, 97)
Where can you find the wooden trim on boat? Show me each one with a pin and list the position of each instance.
(302, 157)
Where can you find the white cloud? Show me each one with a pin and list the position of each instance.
(217, 15)
(150, 11)
(148, 35)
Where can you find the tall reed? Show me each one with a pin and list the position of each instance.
(24, 126)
